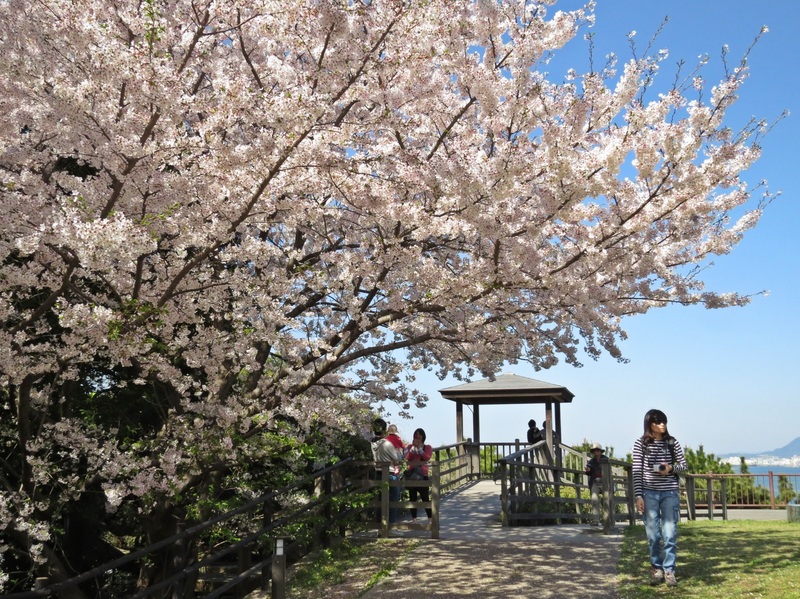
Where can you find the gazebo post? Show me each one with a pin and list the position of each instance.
(548, 424)
(557, 428)
(475, 447)
(558, 432)
(476, 423)
(459, 422)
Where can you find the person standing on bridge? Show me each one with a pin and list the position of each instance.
(594, 470)
(417, 455)
(387, 448)
(657, 460)
(534, 433)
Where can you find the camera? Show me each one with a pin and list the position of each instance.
(660, 468)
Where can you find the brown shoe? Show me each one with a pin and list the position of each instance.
(656, 576)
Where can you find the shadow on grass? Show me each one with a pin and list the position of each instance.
(719, 559)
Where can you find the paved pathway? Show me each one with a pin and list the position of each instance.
(477, 558)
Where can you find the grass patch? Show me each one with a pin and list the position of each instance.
(348, 570)
(732, 559)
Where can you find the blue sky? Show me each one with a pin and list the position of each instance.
(727, 379)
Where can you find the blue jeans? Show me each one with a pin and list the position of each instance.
(394, 495)
(661, 515)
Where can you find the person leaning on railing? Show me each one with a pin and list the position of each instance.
(417, 454)
(384, 451)
(594, 470)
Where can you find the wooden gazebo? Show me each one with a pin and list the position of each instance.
(508, 389)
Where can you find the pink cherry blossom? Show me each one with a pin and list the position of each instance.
(280, 210)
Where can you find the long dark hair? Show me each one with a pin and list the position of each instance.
(421, 434)
(649, 418)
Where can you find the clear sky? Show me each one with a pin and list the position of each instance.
(727, 379)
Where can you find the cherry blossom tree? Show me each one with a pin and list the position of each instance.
(239, 216)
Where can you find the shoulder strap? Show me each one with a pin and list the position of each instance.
(671, 447)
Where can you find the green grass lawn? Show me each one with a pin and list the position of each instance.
(718, 559)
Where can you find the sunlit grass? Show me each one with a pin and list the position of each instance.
(720, 559)
(358, 565)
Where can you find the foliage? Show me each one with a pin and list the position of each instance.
(489, 455)
(719, 559)
(699, 462)
(585, 447)
(229, 230)
(567, 506)
(743, 469)
(740, 489)
(786, 491)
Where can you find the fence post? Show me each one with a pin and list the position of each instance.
(243, 565)
(724, 498)
(631, 498)
(474, 461)
(385, 483)
(531, 473)
(278, 570)
(710, 493)
(793, 511)
(267, 516)
(435, 495)
(771, 491)
(608, 496)
(178, 559)
(504, 520)
(557, 474)
(690, 506)
(327, 509)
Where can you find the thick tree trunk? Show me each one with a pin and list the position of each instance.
(53, 571)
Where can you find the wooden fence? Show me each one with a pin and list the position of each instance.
(713, 494)
(246, 548)
(232, 554)
(539, 486)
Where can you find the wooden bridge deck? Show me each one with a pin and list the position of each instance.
(473, 512)
(475, 557)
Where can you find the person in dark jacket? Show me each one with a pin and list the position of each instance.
(534, 432)
(594, 471)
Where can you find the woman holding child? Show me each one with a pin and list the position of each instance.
(417, 453)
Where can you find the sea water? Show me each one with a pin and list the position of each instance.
(767, 469)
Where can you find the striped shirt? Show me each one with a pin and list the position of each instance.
(646, 458)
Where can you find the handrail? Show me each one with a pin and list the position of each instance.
(455, 465)
(254, 536)
(741, 491)
(183, 535)
(530, 473)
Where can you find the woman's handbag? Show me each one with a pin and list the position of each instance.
(415, 473)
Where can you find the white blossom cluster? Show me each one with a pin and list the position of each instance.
(285, 209)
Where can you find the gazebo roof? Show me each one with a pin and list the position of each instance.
(508, 389)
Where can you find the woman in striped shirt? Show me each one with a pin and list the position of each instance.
(657, 460)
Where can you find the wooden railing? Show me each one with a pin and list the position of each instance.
(710, 493)
(234, 553)
(538, 487)
(247, 547)
(381, 505)
(228, 553)
(457, 465)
